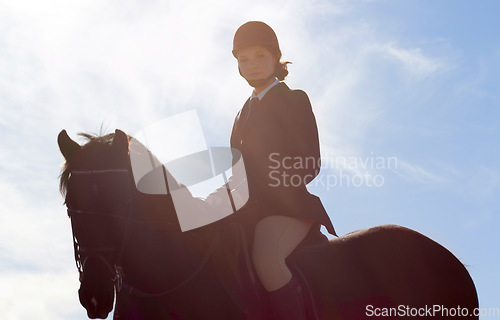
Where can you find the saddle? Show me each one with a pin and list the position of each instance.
(233, 265)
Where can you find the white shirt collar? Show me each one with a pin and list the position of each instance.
(263, 92)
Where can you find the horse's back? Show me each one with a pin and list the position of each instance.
(387, 270)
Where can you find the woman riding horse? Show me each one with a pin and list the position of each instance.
(275, 124)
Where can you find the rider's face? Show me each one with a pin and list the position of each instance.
(255, 62)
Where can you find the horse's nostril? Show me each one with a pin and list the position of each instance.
(93, 312)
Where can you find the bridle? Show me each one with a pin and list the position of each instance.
(98, 252)
(115, 267)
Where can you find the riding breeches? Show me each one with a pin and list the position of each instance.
(275, 239)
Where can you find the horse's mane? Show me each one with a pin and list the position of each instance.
(92, 140)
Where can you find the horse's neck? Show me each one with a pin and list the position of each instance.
(157, 252)
(153, 209)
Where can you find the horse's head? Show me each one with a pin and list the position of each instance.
(98, 182)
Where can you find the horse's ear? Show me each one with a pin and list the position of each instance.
(120, 142)
(67, 146)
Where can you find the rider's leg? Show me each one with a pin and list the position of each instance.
(275, 238)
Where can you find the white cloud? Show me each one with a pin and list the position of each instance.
(28, 295)
(35, 231)
(416, 173)
(37, 272)
(413, 60)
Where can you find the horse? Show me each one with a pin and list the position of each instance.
(129, 245)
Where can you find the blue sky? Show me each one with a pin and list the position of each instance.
(412, 80)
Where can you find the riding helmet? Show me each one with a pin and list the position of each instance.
(255, 32)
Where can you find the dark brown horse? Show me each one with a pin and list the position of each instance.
(131, 241)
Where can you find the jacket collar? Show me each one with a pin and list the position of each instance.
(263, 92)
(275, 91)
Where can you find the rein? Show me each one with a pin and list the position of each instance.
(117, 269)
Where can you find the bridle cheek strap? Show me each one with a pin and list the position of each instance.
(116, 270)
